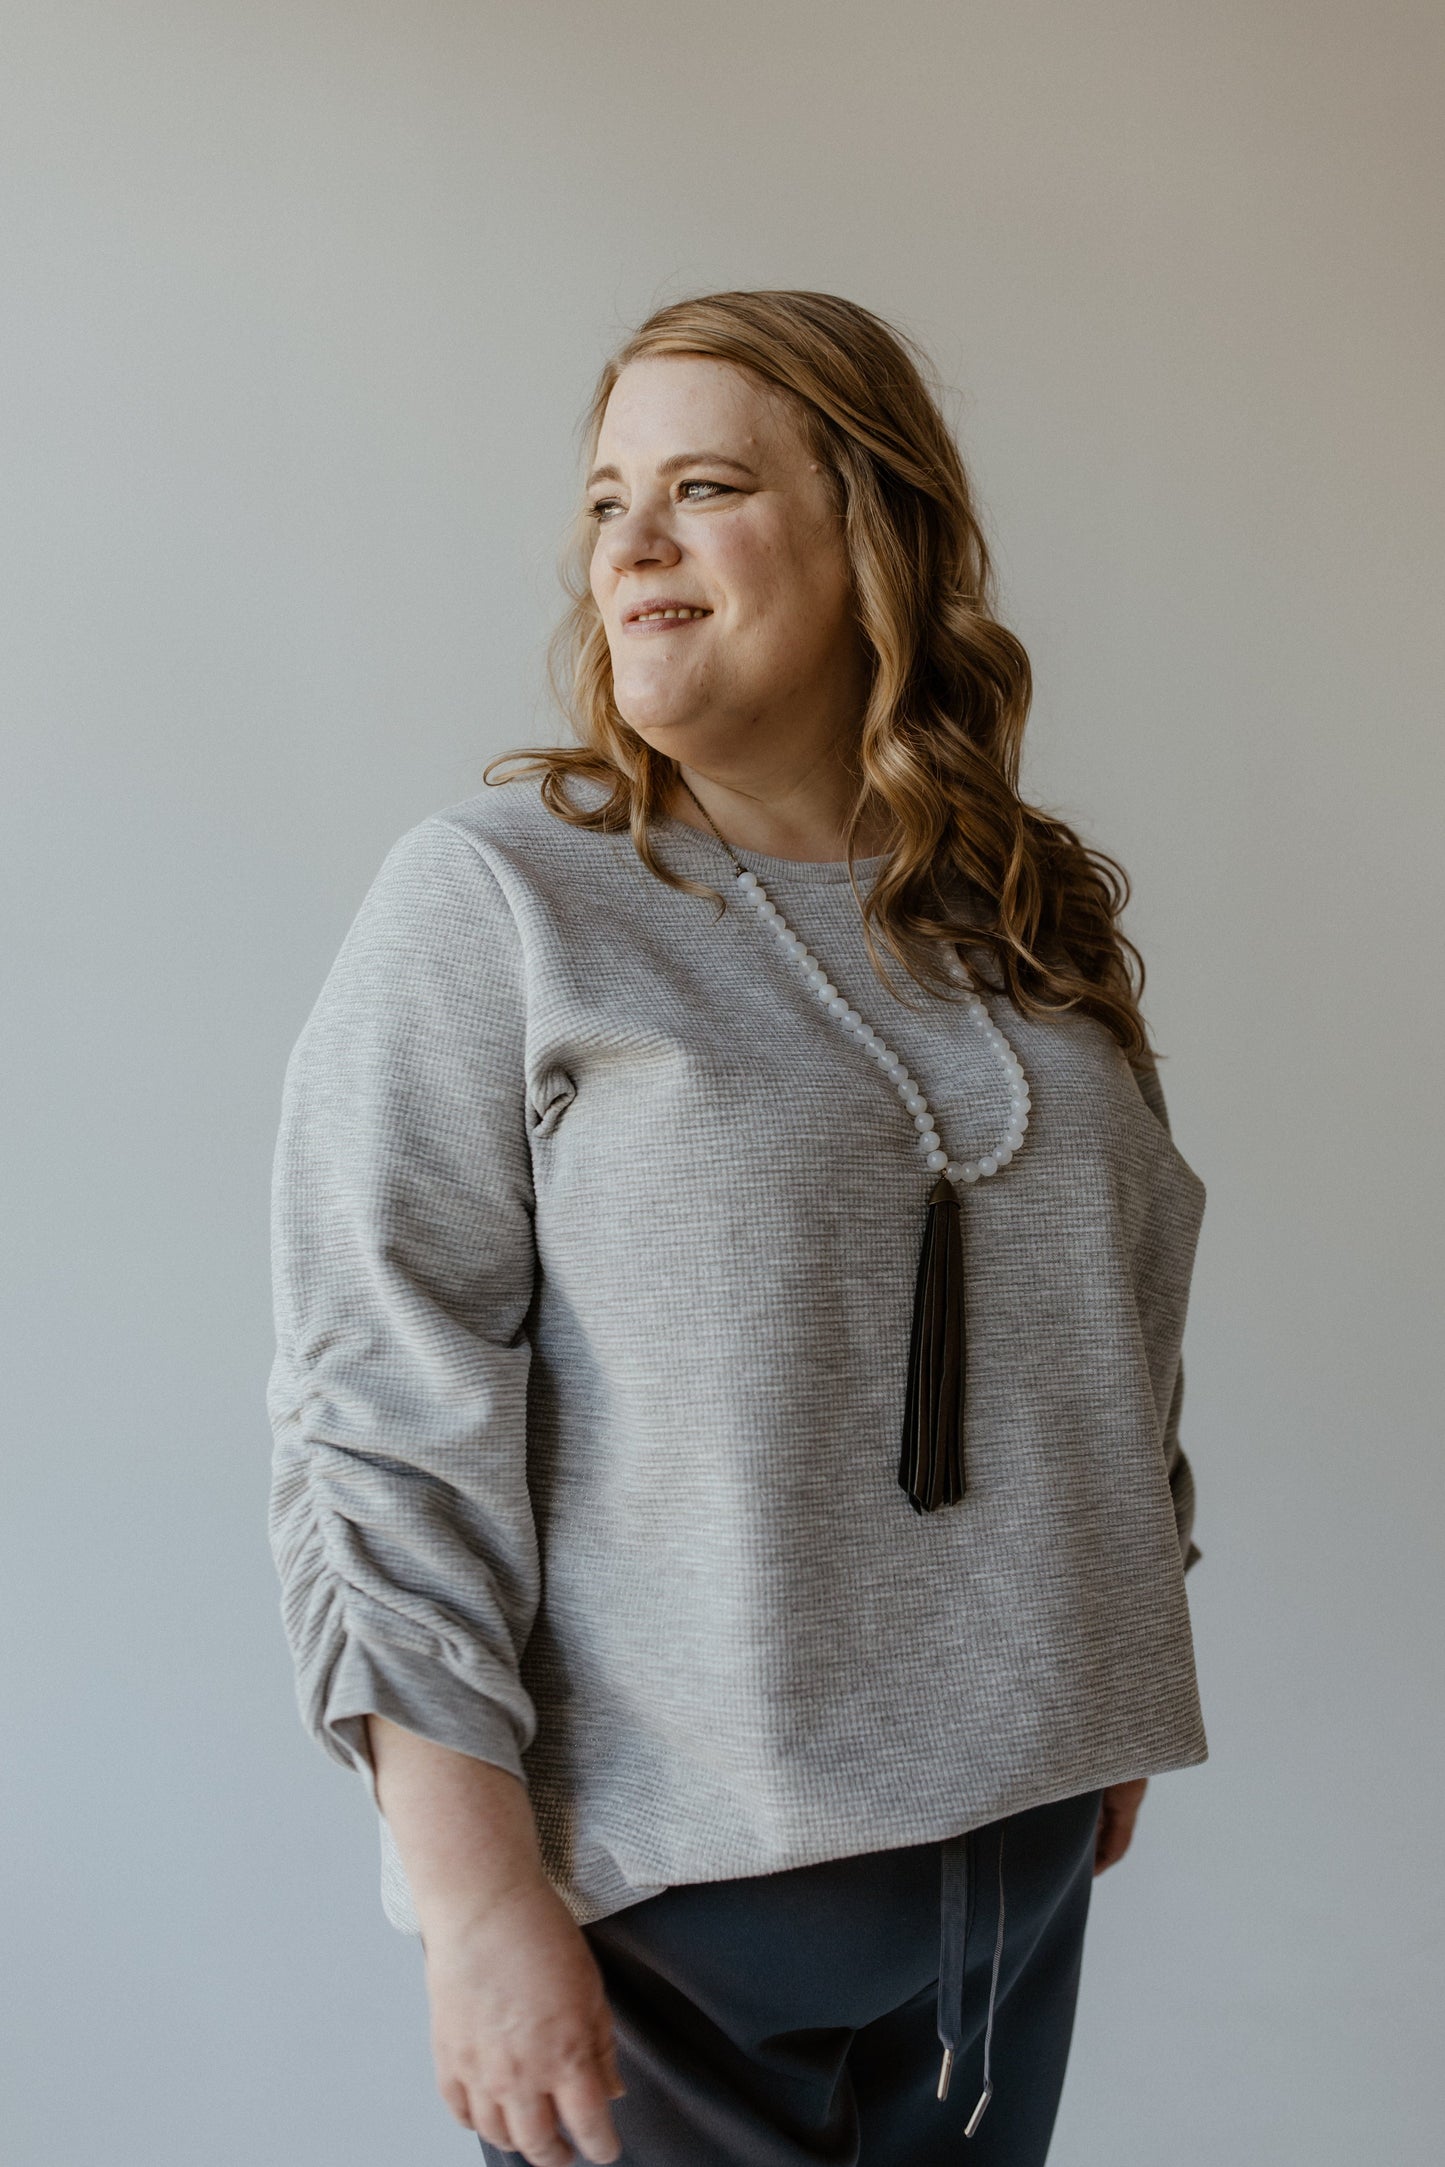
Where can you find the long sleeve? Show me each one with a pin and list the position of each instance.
(1181, 1474)
(1181, 1478)
(403, 1264)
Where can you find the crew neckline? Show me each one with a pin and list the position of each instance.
(821, 870)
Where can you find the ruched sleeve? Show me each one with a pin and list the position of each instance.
(403, 1265)
(1181, 1474)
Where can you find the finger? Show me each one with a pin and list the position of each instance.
(1117, 1836)
(458, 2105)
(536, 2133)
(1106, 1847)
(1101, 1840)
(611, 2073)
(581, 2101)
(489, 2122)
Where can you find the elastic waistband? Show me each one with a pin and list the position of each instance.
(971, 1866)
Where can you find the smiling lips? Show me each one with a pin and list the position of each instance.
(663, 616)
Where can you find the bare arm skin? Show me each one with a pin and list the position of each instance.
(522, 2034)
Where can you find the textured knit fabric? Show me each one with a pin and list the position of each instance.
(595, 1240)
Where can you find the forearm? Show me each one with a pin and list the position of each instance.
(463, 1827)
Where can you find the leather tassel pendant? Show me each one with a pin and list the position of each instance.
(930, 1466)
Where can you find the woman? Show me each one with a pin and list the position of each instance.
(752, 1647)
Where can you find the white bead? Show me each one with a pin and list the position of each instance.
(929, 1140)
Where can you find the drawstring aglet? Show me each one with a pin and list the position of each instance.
(983, 2098)
(977, 2116)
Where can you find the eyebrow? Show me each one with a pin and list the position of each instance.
(672, 465)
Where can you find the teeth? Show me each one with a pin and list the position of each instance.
(657, 616)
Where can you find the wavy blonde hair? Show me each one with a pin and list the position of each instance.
(939, 742)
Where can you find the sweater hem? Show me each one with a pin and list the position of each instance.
(603, 1897)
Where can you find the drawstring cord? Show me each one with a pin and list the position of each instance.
(958, 1893)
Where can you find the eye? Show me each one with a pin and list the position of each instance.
(601, 508)
(718, 488)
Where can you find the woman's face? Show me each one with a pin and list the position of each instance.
(710, 507)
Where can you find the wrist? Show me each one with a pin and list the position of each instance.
(457, 1920)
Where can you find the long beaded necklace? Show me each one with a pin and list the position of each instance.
(930, 1466)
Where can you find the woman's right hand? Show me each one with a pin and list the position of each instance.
(522, 2034)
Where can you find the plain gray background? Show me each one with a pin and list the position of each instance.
(302, 304)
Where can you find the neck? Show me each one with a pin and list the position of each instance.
(806, 820)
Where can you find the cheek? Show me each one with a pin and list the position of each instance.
(756, 571)
(795, 593)
(792, 556)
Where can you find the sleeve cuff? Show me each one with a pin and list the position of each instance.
(416, 1692)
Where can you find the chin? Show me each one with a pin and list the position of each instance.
(657, 717)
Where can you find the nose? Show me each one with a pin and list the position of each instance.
(636, 538)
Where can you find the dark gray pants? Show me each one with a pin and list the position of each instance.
(792, 2019)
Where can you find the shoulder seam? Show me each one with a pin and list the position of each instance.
(440, 820)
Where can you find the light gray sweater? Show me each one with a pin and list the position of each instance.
(594, 1251)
